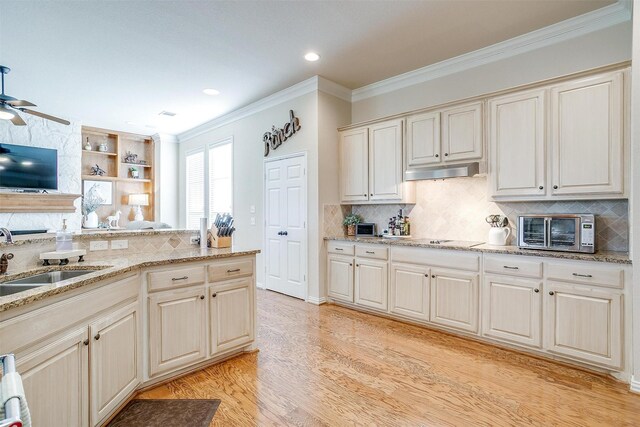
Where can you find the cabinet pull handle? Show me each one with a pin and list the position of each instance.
(551, 293)
(85, 342)
(338, 249)
(201, 296)
(582, 275)
(235, 270)
(214, 295)
(180, 278)
(97, 337)
(511, 268)
(370, 252)
(536, 290)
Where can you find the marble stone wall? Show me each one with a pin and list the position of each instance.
(65, 139)
(456, 209)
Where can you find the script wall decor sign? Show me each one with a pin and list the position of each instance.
(274, 139)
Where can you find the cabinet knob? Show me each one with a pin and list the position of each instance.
(541, 188)
(371, 195)
(85, 342)
(201, 296)
(437, 155)
(551, 293)
(426, 275)
(97, 337)
(555, 187)
(536, 290)
(350, 265)
(433, 276)
(357, 265)
(365, 194)
(214, 295)
(446, 154)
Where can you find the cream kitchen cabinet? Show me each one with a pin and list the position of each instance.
(231, 319)
(340, 277)
(423, 140)
(462, 132)
(409, 291)
(56, 380)
(371, 283)
(454, 299)
(587, 136)
(517, 145)
(584, 322)
(177, 329)
(115, 368)
(371, 165)
(512, 309)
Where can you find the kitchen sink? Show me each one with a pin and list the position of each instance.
(41, 279)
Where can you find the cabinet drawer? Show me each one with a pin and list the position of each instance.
(516, 266)
(587, 273)
(459, 260)
(175, 278)
(372, 252)
(225, 270)
(340, 248)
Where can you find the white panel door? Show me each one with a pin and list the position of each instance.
(286, 226)
(423, 140)
(409, 294)
(517, 145)
(462, 132)
(454, 299)
(587, 136)
(354, 165)
(385, 161)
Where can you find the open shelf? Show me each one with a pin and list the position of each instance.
(37, 202)
(136, 165)
(99, 153)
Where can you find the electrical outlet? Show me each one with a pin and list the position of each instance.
(98, 245)
(253, 220)
(195, 240)
(119, 244)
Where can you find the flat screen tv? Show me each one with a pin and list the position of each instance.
(30, 168)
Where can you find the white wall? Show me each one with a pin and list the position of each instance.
(166, 158)
(248, 182)
(67, 140)
(592, 50)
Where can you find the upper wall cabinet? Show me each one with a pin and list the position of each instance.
(462, 132)
(371, 165)
(423, 140)
(584, 156)
(587, 136)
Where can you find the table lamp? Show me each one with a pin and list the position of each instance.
(138, 200)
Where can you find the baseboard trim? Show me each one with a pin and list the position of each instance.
(316, 300)
(635, 384)
(260, 285)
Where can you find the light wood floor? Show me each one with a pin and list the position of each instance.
(333, 366)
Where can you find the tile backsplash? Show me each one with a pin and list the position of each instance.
(456, 209)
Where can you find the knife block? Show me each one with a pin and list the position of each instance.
(215, 241)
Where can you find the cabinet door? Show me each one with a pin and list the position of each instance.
(584, 323)
(512, 309)
(517, 145)
(114, 360)
(454, 299)
(385, 161)
(371, 283)
(354, 165)
(423, 140)
(340, 277)
(177, 329)
(409, 294)
(232, 314)
(462, 132)
(55, 380)
(587, 136)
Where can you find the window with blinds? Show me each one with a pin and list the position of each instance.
(220, 174)
(195, 189)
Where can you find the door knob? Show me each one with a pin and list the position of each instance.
(279, 233)
(284, 233)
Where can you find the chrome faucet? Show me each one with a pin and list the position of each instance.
(7, 234)
(4, 262)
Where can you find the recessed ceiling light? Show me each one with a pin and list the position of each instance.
(27, 163)
(312, 57)
(212, 92)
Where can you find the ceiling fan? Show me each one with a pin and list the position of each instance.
(9, 106)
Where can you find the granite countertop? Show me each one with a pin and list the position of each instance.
(107, 268)
(599, 256)
(86, 234)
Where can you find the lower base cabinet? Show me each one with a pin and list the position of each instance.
(371, 283)
(409, 291)
(512, 309)
(177, 329)
(340, 277)
(231, 314)
(454, 299)
(584, 323)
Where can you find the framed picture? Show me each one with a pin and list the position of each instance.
(103, 188)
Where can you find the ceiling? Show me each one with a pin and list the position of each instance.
(109, 63)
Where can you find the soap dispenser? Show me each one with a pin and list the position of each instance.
(64, 238)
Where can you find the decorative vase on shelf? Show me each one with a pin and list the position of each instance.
(91, 220)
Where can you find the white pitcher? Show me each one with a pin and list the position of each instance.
(498, 235)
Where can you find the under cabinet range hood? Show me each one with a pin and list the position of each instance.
(442, 172)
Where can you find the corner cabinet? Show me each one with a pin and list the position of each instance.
(371, 165)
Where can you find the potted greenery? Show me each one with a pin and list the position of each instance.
(134, 172)
(350, 221)
(90, 203)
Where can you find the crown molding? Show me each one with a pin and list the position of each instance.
(333, 88)
(580, 25)
(635, 384)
